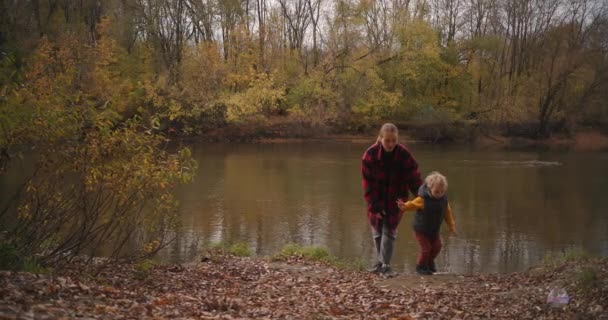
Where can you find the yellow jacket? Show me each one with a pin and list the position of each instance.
(418, 203)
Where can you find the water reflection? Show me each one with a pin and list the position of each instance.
(511, 207)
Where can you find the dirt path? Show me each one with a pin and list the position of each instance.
(402, 281)
(409, 281)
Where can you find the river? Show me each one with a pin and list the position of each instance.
(512, 208)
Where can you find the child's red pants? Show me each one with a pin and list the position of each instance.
(429, 248)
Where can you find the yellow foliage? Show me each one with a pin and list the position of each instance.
(262, 96)
(203, 72)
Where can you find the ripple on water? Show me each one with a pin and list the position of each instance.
(511, 163)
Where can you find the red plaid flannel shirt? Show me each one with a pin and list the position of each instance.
(382, 196)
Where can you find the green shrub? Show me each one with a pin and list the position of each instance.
(10, 259)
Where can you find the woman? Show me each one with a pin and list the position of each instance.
(389, 171)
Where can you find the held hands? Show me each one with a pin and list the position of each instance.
(380, 215)
(401, 204)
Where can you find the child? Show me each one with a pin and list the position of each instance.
(432, 208)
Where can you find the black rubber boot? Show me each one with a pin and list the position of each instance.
(432, 267)
(423, 270)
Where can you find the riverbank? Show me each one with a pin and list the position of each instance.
(230, 287)
(280, 130)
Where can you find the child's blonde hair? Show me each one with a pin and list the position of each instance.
(387, 128)
(436, 178)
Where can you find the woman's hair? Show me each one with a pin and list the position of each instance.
(387, 128)
(436, 178)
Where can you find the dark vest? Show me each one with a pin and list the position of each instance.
(429, 219)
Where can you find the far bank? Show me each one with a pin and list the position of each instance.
(469, 133)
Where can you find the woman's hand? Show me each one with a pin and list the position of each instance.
(453, 233)
(401, 204)
(380, 215)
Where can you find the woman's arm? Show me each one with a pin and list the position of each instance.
(370, 194)
(412, 174)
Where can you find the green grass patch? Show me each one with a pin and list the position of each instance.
(573, 254)
(313, 253)
(575, 266)
(143, 269)
(145, 265)
(319, 254)
(568, 255)
(587, 278)
(239, 249)
(33, 266)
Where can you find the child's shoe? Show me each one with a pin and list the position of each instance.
(423, 270)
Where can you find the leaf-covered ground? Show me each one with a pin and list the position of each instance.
(237, 288)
